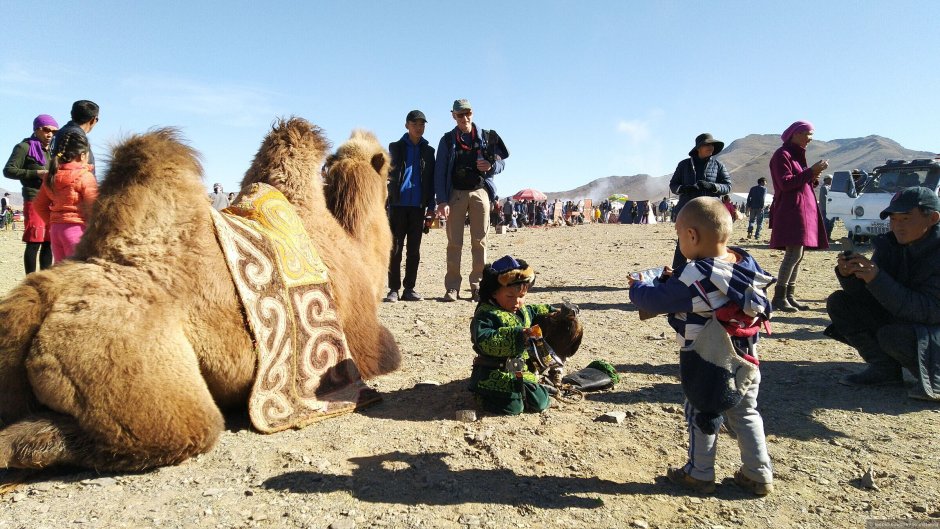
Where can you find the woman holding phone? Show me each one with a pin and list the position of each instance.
(796, 222)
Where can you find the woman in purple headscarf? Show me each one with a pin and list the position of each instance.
(29, 164)
(796, 223)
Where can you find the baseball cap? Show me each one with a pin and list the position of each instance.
(416, 115)
(462, 105)
(910, 198)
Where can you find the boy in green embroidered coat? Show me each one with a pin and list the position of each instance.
(500, 330)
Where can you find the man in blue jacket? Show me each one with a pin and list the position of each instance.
(756, 199)
(467, 160)
(889, 305)
(410, 194)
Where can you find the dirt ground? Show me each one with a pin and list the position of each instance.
(407, 462)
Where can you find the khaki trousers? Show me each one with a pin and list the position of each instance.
(477, 205)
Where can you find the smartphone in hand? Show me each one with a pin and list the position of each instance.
(848, 246)
(647, 276)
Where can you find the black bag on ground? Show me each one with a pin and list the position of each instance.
(596, 376)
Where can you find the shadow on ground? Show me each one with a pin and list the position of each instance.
(426, 479)
(791, 395)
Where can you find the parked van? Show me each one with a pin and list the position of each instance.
(859, 208)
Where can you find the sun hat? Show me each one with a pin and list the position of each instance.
(707, 139)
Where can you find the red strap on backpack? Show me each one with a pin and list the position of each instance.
(735, 321)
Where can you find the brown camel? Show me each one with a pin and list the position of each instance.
(123, 358)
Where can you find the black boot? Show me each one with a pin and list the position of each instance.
(779, 300)
(799, 306)
(881, 369)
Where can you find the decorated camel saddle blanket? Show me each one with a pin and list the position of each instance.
(304, 371)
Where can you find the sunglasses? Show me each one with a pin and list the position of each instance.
(47, 129)
(463, 114)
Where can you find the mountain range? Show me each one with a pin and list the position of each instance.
(747, 159)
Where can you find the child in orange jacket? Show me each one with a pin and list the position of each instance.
(65, 198)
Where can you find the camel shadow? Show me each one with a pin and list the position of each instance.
(426, 479)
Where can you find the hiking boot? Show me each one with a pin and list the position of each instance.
(475, 295)
(780, 300)
(678, 476)
(754, 487)
(834, 333)
(917, 392)
(451, 294)
(791, 289)
(391, 297)
(411, 295)
(873, 376)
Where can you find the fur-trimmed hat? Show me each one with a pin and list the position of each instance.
(505, 271)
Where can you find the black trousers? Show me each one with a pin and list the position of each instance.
(407, 225)
(880, 339)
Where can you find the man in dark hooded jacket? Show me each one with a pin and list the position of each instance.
(410, 194)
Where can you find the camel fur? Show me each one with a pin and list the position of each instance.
(124, 357)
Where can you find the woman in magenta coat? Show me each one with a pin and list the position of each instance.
(796, 223)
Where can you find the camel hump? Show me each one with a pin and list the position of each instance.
(152, 188)
(146, 159)
(290, 158)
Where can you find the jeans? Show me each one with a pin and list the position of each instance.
(407, 224)
(756, 217)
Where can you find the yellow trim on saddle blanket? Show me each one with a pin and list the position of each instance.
(304, 372)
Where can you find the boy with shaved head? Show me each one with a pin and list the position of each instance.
(719, 286)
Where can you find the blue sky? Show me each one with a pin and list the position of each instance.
(578, 90)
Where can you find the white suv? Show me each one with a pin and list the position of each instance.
(860, 209)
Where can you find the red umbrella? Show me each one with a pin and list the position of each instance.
(529, 194)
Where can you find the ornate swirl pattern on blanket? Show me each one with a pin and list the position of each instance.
(305, 372)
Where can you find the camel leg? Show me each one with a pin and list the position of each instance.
(372, 347)
(39, 441)
(21, 313)
(131, 402)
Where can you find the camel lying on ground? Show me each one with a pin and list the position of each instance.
(124, 357)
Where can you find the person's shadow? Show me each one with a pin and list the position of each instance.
(426, 479)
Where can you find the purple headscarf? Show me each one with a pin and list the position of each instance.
(35, 146)
(797, 126)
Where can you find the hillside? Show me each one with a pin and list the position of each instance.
(747, 159)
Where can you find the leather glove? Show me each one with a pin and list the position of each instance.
(708, 187)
